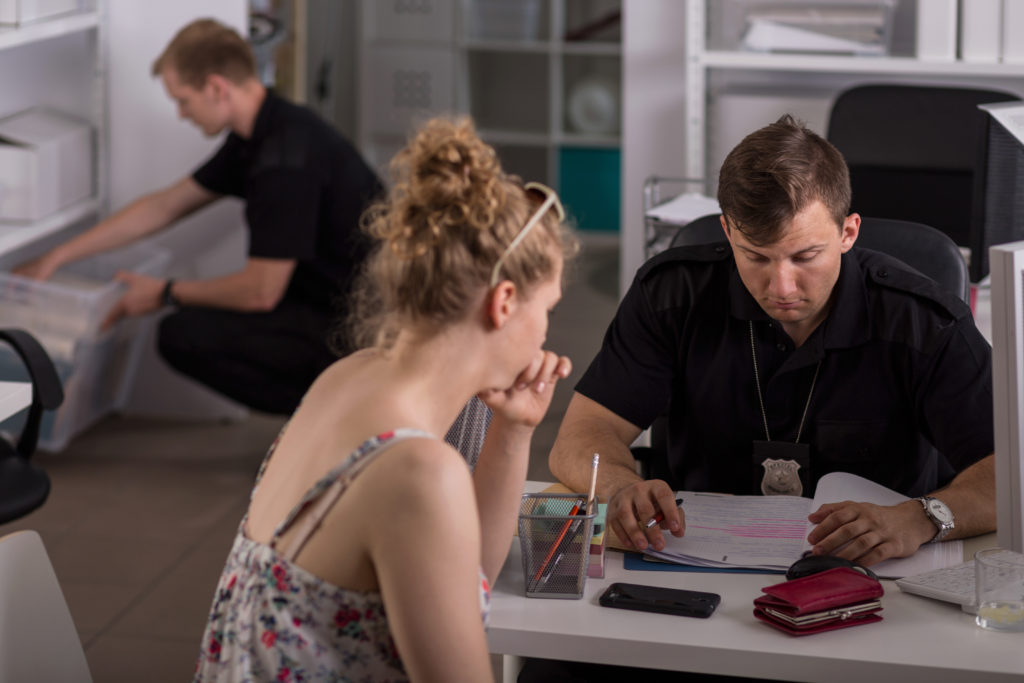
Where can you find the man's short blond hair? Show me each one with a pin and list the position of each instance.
(206, 47)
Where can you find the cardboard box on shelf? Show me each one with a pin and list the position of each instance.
(46, 164)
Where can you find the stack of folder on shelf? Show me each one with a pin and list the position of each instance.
(598, 543)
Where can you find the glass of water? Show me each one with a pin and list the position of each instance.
(999, 577)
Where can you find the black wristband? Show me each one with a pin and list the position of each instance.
(167, 297)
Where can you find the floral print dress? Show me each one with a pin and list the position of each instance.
(272, 620)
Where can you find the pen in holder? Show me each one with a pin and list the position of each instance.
(554, 533)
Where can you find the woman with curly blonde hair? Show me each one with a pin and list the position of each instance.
(369, 545)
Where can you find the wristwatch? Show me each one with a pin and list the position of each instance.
(167, 297)
(940, 515)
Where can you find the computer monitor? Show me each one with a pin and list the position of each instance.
(998, 204)
(1007, 262)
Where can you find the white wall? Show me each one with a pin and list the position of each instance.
(149, 148)
(653, 121)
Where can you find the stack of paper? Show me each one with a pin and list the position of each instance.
(851, 29)
(598, 543)
(770, 532)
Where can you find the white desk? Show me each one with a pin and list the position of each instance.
(918, 640)
(14, 396)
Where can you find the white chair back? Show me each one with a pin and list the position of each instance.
(38, 640)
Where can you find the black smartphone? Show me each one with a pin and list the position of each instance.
(684, 603)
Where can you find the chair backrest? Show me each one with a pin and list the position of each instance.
(24, 486)
(466, 435)
(922, 247)
(913, 151)
(38, 640)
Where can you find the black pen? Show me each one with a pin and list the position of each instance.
(661, 515)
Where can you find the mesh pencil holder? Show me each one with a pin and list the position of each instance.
(555, 544)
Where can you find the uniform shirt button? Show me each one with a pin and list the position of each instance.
(781, 347)
(882, 272)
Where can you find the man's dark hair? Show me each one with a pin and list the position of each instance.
(774, 173)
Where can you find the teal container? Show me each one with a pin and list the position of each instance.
(589, 186)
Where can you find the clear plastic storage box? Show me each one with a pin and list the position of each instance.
(65, 313)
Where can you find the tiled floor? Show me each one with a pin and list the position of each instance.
(143, 511)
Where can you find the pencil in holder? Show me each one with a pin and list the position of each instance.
(554, 534)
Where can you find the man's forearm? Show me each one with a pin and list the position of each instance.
(136, 220)
(257, 287)
(572, 457)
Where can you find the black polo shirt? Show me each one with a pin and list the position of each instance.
(904, 371)
(304, 187)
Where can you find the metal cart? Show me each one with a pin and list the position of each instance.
(660, 192)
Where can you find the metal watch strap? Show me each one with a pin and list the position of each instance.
(942, 528)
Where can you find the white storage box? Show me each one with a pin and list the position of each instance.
(431, 21)
(16, 12)
(515, 20)
(46, 163)
(411, 84)
(96, 367)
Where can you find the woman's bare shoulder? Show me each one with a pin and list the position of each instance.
(421, 476)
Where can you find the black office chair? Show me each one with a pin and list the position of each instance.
(23, 485)
(913, 151)
(923, 248)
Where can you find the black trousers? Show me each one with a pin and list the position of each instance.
(265, 361)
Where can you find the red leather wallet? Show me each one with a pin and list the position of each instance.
(828, 600)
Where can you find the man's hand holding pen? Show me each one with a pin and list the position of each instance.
(634, 506)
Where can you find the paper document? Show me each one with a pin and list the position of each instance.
(685, 208)
(770, 532)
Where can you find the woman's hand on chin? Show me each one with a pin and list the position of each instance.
(527, 400)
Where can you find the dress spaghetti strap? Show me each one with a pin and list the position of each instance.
(326, 491)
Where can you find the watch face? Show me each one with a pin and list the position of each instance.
(940, 511)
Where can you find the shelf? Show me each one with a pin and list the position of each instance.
(591, 49)
(15, 235)
(585, 140)
(533, 47)
(759, 61)
(497, 136)
(543, 47)
(46, 29)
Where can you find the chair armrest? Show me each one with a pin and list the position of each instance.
(47, 392)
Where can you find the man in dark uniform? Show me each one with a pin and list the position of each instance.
(259, 335)
(783, 354)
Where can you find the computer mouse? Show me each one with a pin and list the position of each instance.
(812, 564)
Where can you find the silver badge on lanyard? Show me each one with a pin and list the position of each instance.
(781, 478)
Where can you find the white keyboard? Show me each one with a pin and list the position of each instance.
(952, 584)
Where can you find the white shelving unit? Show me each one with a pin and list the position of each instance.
(50, 28)
(61, 63)
(95, 65)
(526, 117)
(507, 64)
(15, 236)
(830, 72)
